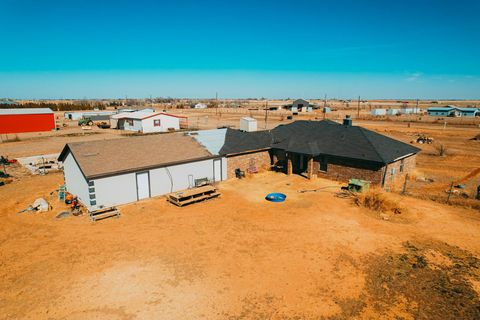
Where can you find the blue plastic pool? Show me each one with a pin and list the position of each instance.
(275, 197)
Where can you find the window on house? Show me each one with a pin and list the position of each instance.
(130, 122)
(156, 123)
(401, 165)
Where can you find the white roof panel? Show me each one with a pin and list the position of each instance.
(212, 140)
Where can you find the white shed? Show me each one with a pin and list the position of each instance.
(106, 173)
(248, 124)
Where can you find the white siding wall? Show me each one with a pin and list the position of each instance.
(113, 123)
(77, 115)
(165, 123)
(75, 181)
(182, 176)
(115, 190)
(137, 125)
(122, 189)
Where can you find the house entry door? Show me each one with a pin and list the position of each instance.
(143, 185)
(217, 170)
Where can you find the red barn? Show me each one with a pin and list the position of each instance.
(26, 120)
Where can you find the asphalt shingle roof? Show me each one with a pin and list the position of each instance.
(237, 141)
(320, 138)
(109, 157)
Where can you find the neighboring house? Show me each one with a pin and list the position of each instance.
(146, 122)
(448, 111)
(108, 173)
(26, 120)
(300, 105)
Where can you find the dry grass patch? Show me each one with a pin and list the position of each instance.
(378, 201)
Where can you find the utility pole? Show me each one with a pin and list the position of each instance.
(151, 102)
(416, 108)
(216, 103)
(358, 108)
(266, 113)
(325, 107)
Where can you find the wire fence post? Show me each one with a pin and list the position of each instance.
(450, 192)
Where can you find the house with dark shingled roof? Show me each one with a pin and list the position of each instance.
(322, 149)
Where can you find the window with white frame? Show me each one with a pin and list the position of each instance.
(156, 123)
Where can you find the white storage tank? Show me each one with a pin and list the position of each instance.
(248, 124)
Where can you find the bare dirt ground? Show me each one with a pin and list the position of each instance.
(239, 257)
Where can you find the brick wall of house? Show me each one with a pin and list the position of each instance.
(343, 172)
(261, 160)
(398, 178)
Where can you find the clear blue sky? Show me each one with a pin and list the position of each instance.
(376, 49)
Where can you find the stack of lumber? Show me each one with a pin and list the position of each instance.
(104, 213)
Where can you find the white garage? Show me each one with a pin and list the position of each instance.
(107, 173)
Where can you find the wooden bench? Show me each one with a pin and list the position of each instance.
(184, 197)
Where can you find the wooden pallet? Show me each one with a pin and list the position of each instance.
(104, 213)
(181, 198)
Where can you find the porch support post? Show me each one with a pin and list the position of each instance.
(310, 168)
(289, 164)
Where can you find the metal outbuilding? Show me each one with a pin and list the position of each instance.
(448, 111)
(469, 112)
(26, 120)
(379, 112)
(106, 173)
(94, 115)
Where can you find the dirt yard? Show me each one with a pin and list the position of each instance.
(239, 257)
